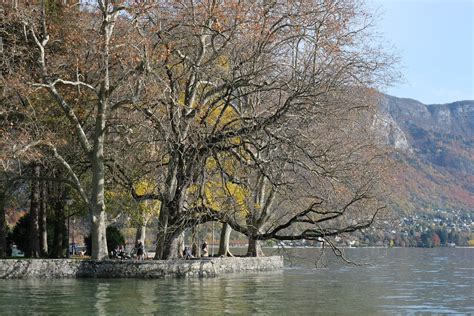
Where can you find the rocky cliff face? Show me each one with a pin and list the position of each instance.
(436, 146)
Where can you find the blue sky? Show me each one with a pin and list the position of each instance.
(435, 40)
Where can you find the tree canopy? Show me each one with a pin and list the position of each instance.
(257, 114)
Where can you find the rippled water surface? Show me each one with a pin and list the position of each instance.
(397, 281)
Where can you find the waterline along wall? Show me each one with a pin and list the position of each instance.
(72, 268)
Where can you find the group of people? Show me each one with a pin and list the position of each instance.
(187, 253)
(139, 252)
(120, 253)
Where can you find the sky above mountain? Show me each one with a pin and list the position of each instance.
(435, 40)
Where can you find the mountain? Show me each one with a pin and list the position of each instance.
(435, 148)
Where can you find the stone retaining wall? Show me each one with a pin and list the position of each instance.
(73, 268)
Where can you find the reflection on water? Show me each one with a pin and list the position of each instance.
(101, 297)
(398, 281)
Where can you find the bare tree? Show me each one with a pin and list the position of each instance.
(82, 71)
(255, 105)
(224, 73)
(306, 186)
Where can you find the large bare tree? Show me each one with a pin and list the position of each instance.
(247, 100)
(88, 75)
(312, 179)
(226, 72)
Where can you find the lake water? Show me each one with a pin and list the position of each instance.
(396, 281)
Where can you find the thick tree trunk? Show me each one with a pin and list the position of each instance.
(255, 248)
(224, 241)
(170, 249)
(141, 229)
(168, 242)
(33, 236)
(98, 235)
(42, 221)
(59, 246)
(3, 225)
(97, 201)
(169, 245)
(140, 234)
(162, 232)
(56, 201)
(168, 231)
(181, 245)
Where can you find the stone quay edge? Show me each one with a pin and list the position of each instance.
(148, 269)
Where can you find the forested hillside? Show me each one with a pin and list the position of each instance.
(435, 151)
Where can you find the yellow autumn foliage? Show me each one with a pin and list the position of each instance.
(121, 201)
(144, 187)
(223, 62)
(223, 116)
(228, 196)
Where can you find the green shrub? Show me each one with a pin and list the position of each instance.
(19, 235)
(114, 239)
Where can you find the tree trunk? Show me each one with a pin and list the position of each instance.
(3, 224)
(181, 245)
(97, 201)
(195, 249)
(162, 232)
(141, 229)
(141, 233)
(56, 198)
(254, 249)
(42, 221)
(59, 247)
(167, 246)
(33, 237)
(171, 246)
(224, 240)
(98, 236)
